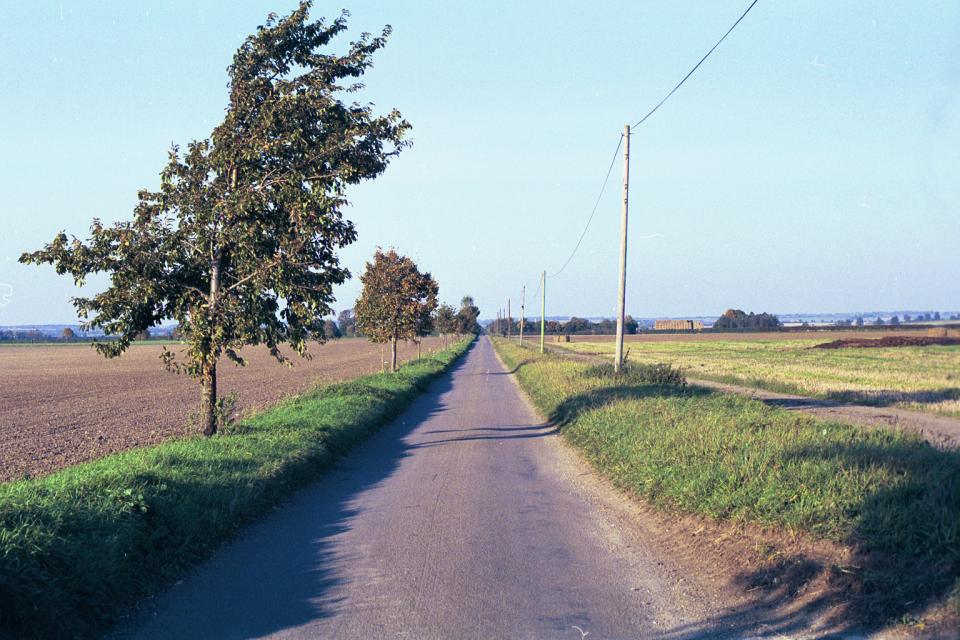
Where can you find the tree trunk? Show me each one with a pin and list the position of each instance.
(393, 355)
(419, 343)
(208, 372)
(208, 400)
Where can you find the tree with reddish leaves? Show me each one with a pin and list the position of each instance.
(397, 301)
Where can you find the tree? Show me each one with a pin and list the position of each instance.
(467, 316)
(445, 321)
(67, 334)
(347, 323)
(737, 319)
(895, 320)
(577, 325)
(239, 244)
(330, 330)
(396, 298)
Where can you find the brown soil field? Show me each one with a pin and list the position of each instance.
(824, 335)
(888, 341)
(65, 404)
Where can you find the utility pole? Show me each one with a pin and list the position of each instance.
(624, 211)
(543, 307)
(523, 299)
(509, 320)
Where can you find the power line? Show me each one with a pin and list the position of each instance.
(595, 205)
(696, 66)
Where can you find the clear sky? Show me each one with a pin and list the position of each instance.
(811, 164)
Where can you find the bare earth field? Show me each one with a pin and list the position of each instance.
(65, 404)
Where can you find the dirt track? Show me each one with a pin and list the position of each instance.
(64, 404)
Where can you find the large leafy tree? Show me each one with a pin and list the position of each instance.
(396, 302)
(239, 243)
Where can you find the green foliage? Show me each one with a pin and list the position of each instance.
(638, 373)
(397, 300)
(445, 320)
(330, 330)
(81, 545)
(347, 323)
(467, 317)
(239, 243)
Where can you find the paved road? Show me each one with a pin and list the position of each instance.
(463, 519)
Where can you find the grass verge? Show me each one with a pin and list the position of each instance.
(888, 495)
(80, 546)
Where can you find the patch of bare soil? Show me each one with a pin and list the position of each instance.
(65, 404)
(888, 341)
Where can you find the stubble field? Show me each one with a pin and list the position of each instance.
(65, 404)
(918, 378)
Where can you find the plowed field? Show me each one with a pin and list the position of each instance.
(64, 404)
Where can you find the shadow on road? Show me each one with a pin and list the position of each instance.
(278, 587)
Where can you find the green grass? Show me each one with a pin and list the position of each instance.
(888, 495)
(80, 546)
(919, 378)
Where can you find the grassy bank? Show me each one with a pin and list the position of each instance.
(888, 495)
(81, 545)
(918, 378)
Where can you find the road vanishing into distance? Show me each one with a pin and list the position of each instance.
(466, 517)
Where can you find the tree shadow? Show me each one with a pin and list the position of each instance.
(906, 556)
(277, 587)
(905, 540)
(576, 405)
(889, 397)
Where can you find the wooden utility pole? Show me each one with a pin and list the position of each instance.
(509, 320)
(543, 307)
(624, 212)
(523, 299)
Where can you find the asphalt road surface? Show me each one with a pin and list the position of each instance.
(462, 519)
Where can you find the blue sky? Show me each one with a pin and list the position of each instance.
(811, 164)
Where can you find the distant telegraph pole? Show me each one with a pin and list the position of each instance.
(509, 320)
(523, 300)
(624, 211)
(543, 307)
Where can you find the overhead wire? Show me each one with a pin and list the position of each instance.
(595, 205)
(696, 66)
(606, 178)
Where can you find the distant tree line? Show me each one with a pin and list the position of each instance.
(573, 326)
(738, 319)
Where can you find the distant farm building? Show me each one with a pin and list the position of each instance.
(677, 325)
